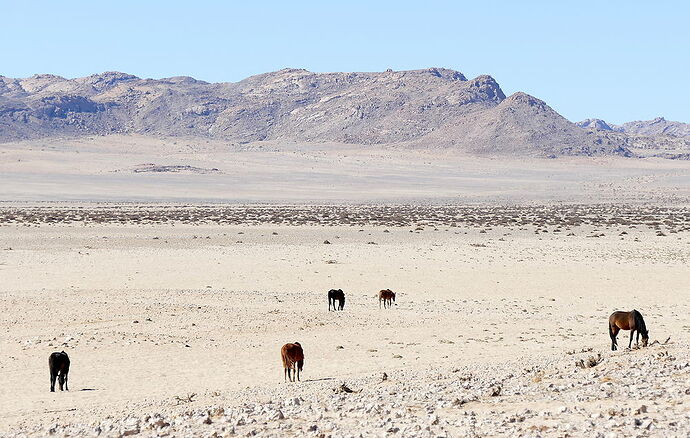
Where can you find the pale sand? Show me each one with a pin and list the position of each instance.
(219, 309)
(102, 169)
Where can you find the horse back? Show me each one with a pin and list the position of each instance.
(59, 362)
(336, 294)
(291, 353)
(622, 320)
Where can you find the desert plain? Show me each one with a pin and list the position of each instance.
(173, 304)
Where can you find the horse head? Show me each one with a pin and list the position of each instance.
(645, 338)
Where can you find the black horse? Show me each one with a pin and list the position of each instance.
(333, 295)
(59, 365)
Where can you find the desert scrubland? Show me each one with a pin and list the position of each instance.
(173, 316)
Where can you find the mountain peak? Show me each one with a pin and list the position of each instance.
(595, 124)
(521, 98)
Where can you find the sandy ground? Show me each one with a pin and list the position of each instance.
(151, 313)
(121, 168)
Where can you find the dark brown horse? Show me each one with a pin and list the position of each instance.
(386, 296)
(59, 368)
(336, 295)
(293, 360)
(632, 321)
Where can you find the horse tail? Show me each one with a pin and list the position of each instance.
(639, 322)
(283, 356)
(610, 330)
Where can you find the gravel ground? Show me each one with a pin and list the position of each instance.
(639, 392)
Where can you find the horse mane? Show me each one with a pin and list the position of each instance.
(639, 322)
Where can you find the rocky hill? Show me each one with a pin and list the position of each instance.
(657, 137)
(431, 108)
(655, 127)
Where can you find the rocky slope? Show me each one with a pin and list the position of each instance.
(435, 108)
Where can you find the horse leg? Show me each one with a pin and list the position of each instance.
(632, 332)
(53, 376)
(285, 370)
(66, 388)
(613, 331)
(297, 372)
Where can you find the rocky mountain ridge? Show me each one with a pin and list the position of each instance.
(429, 108)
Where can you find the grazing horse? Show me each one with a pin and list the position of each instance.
(336, 295)
(59, 365)
(293, 360)
(386, 296)
(632, 321)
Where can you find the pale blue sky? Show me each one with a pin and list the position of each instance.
(616, 60)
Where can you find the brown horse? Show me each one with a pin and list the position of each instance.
(632, 321)
(59, 368)
(293, 360)
(386, 296)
